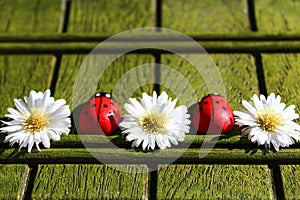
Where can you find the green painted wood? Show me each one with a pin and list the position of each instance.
(137, 156)
(88, 182)
(104, 16)
(150, 36)
(113, 80)
(101, 141)
(12, 181)
(101, 181)
(277, 16)
(19, 75)
(27, 16)
(234, 69)
(113, 48)
(195, 17)
(214, 182)
(282, 74)
(290, 178)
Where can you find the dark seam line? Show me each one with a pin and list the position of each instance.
(30, 185)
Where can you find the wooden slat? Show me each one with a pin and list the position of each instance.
(13, 181)
(214, 182)
(88, 182)
(19, 75)
(28, 16)
(282, 74)
(132, 156)
(113, 48)
(290, 176)
(205, 16)
(109, 16)
(277, 16)
(108, 80)
(147, 36)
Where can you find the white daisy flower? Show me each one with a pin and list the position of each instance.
(155, 120)
(37, 120)
(268, 121)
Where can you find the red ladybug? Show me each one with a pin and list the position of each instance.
(101, 114)
(213, 115)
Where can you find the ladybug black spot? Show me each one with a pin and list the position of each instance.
(86, 113)
(205, 102)
(105, 105)
(93, 105)
(217, 101)
(224, 108)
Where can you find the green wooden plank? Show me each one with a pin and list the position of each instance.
(234, 69)
(180, 47)
(277, 16)
(132, 156)
(214, 182)
(88, 182)
(19, 75)
(148, 36)
(26, 16)
(194, 16)
(290, 178)
(13, 183)
(282, 74)
(104, 16)
(109, 81)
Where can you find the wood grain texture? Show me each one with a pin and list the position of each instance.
(109, 16)
(277, 16)
(119, 78)
(237, 76)
(28, 16)
(282, 76)
(137, 156)
(11, 181)
(194, 16)
(291, 184)
(19, 75)
(87, 182)
(213, 182)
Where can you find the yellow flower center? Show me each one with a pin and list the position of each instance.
(269, 119)
(37, 121)
(154, 123)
